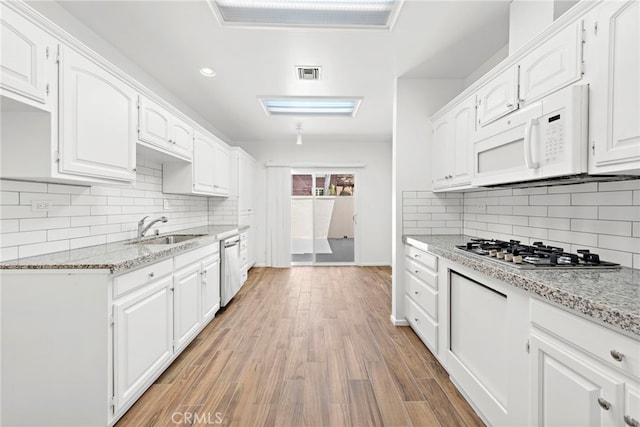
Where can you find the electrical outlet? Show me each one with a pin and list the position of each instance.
(481, 207)
(40, 205)
(166, 205)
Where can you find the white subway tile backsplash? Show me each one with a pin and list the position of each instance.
(608, 198)
(619, 228)
(85, 216)
(31, 224)
(42, 248)
(9, 198)
(603, 217)
(550, 199)
(22, 237)
(584, 212)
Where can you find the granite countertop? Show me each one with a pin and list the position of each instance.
(611, 297)
(121, 256)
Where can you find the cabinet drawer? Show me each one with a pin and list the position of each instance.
(593, 338)
(190, 257)
(422, 272)
(430, 261)
(244, 257)
(243, 244)
(424, 296)
(422, 324)
(129, 281)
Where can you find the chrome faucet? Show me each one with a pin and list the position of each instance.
(142, 229)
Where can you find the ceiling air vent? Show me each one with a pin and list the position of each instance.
(308, 73)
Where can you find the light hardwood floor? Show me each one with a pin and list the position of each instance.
(305, 346)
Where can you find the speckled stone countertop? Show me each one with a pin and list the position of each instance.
(611, 297)
(121, 256)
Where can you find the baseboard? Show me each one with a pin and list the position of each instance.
(398, 322)
(374, 264)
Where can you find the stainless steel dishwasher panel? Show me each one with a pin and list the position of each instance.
(230, 269)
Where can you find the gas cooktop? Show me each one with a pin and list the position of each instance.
(534, 256)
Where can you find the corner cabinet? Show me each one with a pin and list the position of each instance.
(614, 101)
(207, 175)
(98, 120)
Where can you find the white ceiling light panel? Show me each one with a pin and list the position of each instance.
(310, 106)
(325, 13)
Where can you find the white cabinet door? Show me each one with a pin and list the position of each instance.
(25, 51)
(632, 403)
(143, 338)
(441, 152)
(210, 286)
(154, 124)
(498, 97)
(569, 391)
(161, 128)
(553, 65)
(463, 122)
(246, 174)
(181, 138)
(203, 164)
(186, 304)
(98, 120)
(221, 170)
(614, 100)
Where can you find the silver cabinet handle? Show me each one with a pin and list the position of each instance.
(417, 320)
(416, 256)
(617, 356)
(509, 105)
(628, 420)
(416, 292)
(151, 274)
(417, 271)
(604, 404)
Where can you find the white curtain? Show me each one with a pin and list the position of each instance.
(278, 216)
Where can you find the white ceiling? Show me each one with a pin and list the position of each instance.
(172, 40)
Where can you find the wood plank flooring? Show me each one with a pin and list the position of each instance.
(305, 346)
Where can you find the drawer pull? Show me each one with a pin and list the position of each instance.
(417, 271)
(416, 256)
(617, 356)
(416, 292)
(628, 420)
(417, 320)
(604, 404)
(151, 275)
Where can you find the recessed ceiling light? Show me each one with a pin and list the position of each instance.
(310, 106)
(326, 13)
(208, 72)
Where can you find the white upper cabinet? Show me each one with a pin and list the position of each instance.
(163, 130)
(221, 159)
(98, 120)
(208, 175)
(498, 97)
(246, 177)
(26, 51)
(615, 88)
(452, 154)
(552, 66)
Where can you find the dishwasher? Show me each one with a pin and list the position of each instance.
(230, 269)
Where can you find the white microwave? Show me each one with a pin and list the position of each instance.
(546, 139)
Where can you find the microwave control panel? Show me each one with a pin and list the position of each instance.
(552, 136)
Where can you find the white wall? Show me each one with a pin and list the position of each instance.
(527, 18)
(415, 101)
(373, 188)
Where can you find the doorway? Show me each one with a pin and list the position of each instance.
(323, 217)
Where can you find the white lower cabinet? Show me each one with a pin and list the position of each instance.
(143, 338)
(82, 346)
(582, 374)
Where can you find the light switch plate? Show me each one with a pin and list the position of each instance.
(165, 204)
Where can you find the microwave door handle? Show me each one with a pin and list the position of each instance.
(528, 136)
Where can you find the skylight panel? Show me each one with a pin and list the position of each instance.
(325, 13)
(323, 107)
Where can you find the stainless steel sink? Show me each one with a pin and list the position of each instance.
(166, 240)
